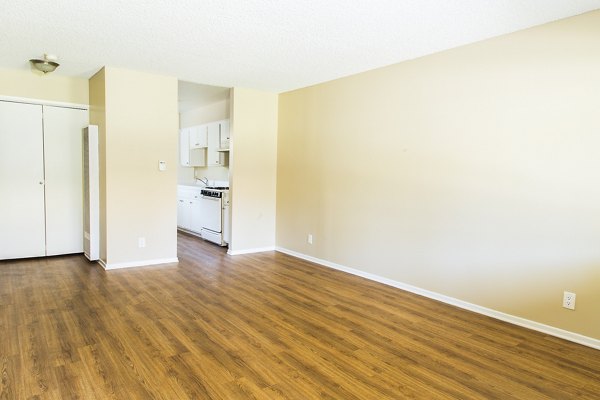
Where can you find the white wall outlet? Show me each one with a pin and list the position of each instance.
(162, 165)
(309, 238)
(569, 300)
(141, 242)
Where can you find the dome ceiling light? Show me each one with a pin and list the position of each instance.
(48, 64)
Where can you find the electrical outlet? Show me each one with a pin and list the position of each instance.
(141, 242)
(309, 239)
(569, 300)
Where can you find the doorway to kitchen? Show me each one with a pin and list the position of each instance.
(203, 205)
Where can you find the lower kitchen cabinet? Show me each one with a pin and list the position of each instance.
(189, 216)
(184, 213)
(196, 216)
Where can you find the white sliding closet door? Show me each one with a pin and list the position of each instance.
(64, 179)
(21, 181)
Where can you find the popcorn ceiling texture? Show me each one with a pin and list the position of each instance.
(272, 45)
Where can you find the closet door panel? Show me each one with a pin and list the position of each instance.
(64, 179)
(21, 181)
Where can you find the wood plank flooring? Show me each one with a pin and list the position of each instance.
(264, 326)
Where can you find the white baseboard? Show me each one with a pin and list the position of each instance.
(132, 264)
(536, 326)
(249, 251)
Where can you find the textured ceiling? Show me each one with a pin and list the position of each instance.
(273, 45)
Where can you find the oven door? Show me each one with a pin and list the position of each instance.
(211, 213)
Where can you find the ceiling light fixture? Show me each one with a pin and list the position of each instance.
(48, 64)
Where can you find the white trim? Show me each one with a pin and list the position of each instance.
(44, 102)
(132, 264)
(536, 326)
(250, 251)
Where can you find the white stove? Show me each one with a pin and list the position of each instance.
(215, 214)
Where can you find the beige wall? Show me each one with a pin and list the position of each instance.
(36, 85)
(253, 163)
(140, 201)
(472, 173)
(212, 112)
(201, 115)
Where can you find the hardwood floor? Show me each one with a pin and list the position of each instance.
(264, 326)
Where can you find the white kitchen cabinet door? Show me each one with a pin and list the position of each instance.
(190, 157)
(63, 135)
(22, 226)
(224, 134)
(196, 216)
(189, 216)
(198, 139)
(213, 157)
(184, 213)
(184, 147)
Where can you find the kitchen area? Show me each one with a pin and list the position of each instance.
(203, 201)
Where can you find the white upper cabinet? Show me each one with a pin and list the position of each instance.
(213, 157)
(224, 134)
(184, 147)
(204, 145)
(188, 156)
(198, 136)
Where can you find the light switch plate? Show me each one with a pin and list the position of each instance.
(162, 165)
